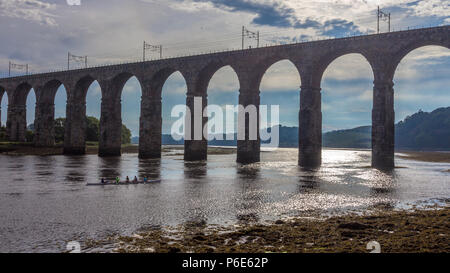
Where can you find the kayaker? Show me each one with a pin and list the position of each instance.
(128, 180)
(103, 181)
(117, 180)
(135, 180)
(145, 179)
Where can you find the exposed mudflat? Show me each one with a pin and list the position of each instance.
(396, 231)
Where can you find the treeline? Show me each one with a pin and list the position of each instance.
(92, 131)
(420, 131)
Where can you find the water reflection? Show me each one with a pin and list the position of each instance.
(75, 167)
(309, 180)
(218, 191)
(195, 169)
(150, 168)
(44, 167)
(251, 195)
(110, 168)
(196, 193)
(383, 188)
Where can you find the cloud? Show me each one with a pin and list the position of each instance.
(431, 8)
(277, 14)
(273, 14)
(30, 10)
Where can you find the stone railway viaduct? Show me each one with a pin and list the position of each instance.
(382, 51)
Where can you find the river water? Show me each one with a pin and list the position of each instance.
(45, 203)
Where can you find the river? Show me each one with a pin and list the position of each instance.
(45, 202)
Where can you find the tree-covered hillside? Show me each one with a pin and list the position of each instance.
(421, 131)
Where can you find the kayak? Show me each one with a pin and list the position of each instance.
(123, 183)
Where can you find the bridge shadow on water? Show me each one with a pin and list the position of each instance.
(150, 168)
(251, 196)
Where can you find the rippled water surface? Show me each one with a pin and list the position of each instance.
(45, 202)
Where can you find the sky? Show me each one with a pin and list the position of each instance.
(40, 33)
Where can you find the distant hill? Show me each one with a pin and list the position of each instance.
(421, 131)
(360, 137)
(425, 131)
(288, 138)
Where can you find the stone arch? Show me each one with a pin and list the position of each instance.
(75, 127)
(119, 81)
(81, 87)
(268, 63)
(404, 51)
(159, 79)
(328, 59)
(45, 113)
(49, 91)
(17, 113)
(264, 67)
(206, 74)
(20, 94)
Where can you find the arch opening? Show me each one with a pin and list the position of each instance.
(93, 99)
(82, 124)
(60, 102)
(279, 105)
(3, 113)
(347, 101)
(223, 97)
(422, 99)
(131, 94)
(30, 115)
(173, 103)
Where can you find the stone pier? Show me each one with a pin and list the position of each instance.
(195, 143)
(310, 127)
(75, 128)
(383, 125)
(150, 129)
(110, 142)
(44, 125)
(248, 148)
(16, 124)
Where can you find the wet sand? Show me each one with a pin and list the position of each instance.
(29, 149)
(396, 231)
(438, 157)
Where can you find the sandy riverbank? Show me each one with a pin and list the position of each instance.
(396, 231)
(29, 149)
(438, 157)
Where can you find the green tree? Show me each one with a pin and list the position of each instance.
(92, 129)
(3, 134)
(29, 136)
(126, 135)
(59, 129)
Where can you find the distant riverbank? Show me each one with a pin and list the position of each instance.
(18, 149)
(395, 231)
(8, 148)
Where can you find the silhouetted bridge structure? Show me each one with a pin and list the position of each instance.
(383, 52)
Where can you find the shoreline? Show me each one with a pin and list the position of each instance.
(425, 230)
(20, 149)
